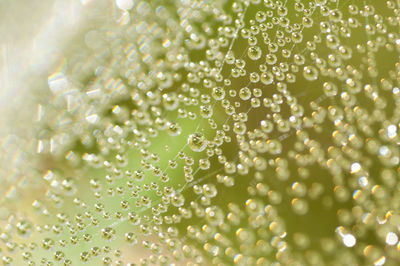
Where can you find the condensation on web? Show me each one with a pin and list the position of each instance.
(245, 132)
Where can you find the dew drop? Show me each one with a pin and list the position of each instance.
(107, 233)
(197, 142)
(310, 73)
(254, 52)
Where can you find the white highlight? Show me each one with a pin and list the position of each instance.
(349, 240)
(355, 168)
(124, 4)
(391, 239)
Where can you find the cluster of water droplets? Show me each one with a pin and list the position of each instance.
(211, 132)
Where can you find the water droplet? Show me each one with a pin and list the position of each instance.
(254, 52)
(197, 142)
(107, 233)
(310, 73)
